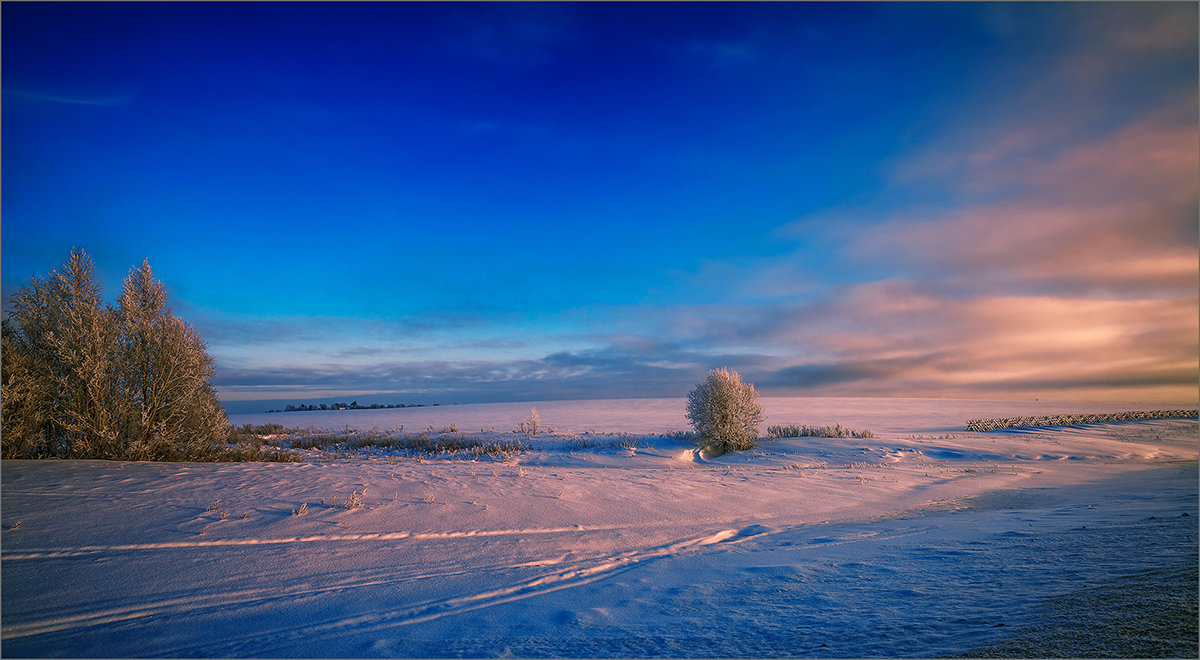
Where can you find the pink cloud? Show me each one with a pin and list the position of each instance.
(1115, 214)
(897, 338)
(1044, 244)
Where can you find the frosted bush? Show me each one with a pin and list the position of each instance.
(725, 411)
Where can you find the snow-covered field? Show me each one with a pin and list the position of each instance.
(924, 540)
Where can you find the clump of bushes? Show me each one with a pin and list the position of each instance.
(261, 429)
(444, 443)
(581, 442)
(615, 441)
(837, 431)
(84, 379)
(248, 451)
(725, 412)
(256, 435)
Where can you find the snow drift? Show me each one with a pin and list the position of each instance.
(924, 540)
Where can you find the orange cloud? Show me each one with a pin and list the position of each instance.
(895, 338)
(1114, 215)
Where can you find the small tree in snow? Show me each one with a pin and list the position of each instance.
(533, 424)
(725, 411)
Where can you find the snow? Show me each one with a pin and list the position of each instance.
(894, 415)
(925, 540)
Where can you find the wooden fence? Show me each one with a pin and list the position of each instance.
(1071, 420)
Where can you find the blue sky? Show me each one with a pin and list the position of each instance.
(487, 202)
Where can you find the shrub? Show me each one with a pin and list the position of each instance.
(725, 412)
(448, 444)
(354, 501)
(805, 431)
(244, 452)
(626, 441)
(258, 435)
(572, 444)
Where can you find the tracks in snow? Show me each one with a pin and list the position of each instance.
(509, 581)
(52, 553)
(80, 551)
(569, 574)
(553, 574)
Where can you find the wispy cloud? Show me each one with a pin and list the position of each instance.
(1039, 240)
(619, 366)
(225, 329)
(881, 338)
(1112, 216)
(105, 101)
(908, 338)
(1032, 252)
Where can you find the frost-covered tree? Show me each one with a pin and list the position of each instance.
(725, 411)
(86, 380)
(25, 399)
(62, 387)
(532, 425)
(166, 372)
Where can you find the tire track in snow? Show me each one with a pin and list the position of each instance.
(54, 553)
(85, 550)
(580, 572)
(116, 615)
(218, 601)
(250, 597)
(544, 584)
(583, 572)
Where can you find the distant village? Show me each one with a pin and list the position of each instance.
(353, 405)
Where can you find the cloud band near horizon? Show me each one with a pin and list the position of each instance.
(965, 200)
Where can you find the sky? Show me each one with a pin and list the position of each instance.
(452, 203)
